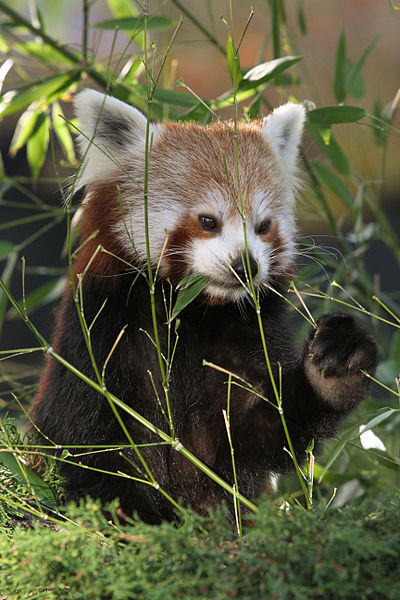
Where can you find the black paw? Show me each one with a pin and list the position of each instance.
(339, 347)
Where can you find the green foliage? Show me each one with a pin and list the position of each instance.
(24, 490)
(284, 555)
(189, 288)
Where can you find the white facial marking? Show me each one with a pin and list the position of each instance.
(214, 255)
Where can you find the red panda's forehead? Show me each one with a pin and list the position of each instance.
(199, 159)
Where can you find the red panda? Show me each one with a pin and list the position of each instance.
(200, 192)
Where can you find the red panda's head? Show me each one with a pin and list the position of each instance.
(208, 200)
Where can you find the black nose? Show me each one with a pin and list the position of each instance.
(241, 262)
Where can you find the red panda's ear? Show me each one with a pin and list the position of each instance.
(283, 129)
(109, 129)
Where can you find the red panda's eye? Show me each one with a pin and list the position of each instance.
(208, 223)
(264, 227)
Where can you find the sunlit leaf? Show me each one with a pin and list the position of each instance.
(333, 477)
(129, 71)
(25, 128)
(44, 91)
(4, 70)
(61, 129)
(4, 47)
(326, 134)
(336, 114)
(41, 51)
(266, 71)
(227, 99)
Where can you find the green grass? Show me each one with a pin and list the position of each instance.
(285, 555)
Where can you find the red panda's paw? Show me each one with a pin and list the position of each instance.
(335, 354)
(339, 347)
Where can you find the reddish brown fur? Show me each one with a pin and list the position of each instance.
(101, 211)
(188, 229)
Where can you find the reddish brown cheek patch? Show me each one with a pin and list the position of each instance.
(101, 212)
(179, 240)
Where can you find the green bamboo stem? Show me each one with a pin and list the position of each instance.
(250, 281)
(173, 442)
(150, 276)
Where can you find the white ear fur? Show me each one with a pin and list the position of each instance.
(110, 128)
(282, 129)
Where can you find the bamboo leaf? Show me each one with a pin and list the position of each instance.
(38, 144)
(129, 72)
(384, 414)
(4, 70)
(25, 128)
(266, 71)
(43, 91)
(41, 51)
(29, 479)
(333, 477)
(136, 23)
(339, 84)
(301, 18)
(357, 88)
(61, 129)
(339, 447)
(355, 71)
(331, 149)
(189, 288)
(336, 114)
(333, 183)
(4, 47)
(233, 63)
(174, 98)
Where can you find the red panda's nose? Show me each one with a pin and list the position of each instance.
(239, 263)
